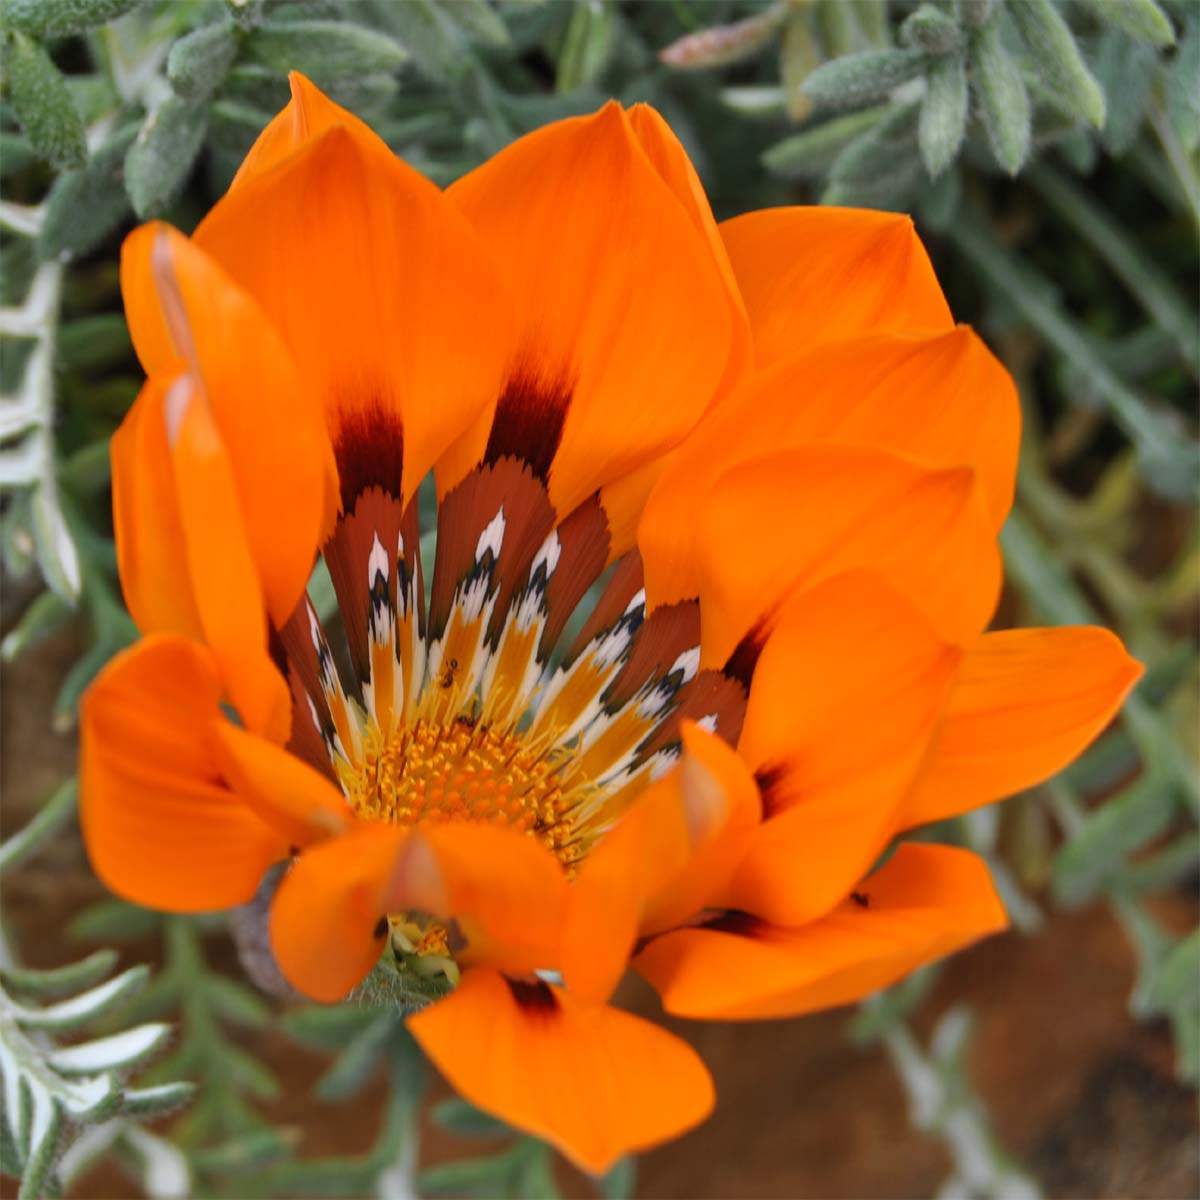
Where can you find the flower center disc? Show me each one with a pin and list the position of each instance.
(429, 771)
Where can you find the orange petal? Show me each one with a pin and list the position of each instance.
(667, 857)
(595, 1082)
(184, 311)
(1025, 703)
(228, 597)
(160, 827)
(382, 292)
(844, 702)
(285, 792)
(942, 398)
(506, 891)
(149, 533)
(671, 161)
(812, 275)
(623, 319)
(326, 914)
(306, 116)
(781, 523)
(924, 903)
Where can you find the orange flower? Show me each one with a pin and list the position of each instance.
(796, 467)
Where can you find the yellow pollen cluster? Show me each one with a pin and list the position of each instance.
(429, 771)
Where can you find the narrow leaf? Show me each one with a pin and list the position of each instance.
(1003, 100)
(158, 162)
(60, 981)
(1052, 46)
(860, 78)
(943, 121)
(57, 18)
(932, 30)
(324, 50)
(721, 45)
(200, 60)
(43, 104)
(1142, 19)
(810, 154)
(799, 56)
(85, 206)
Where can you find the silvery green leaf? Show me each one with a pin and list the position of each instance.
(588, 44)
(1053, 48)
(976, 13)
(78, 1010)
(619, 1182)
(112, 921)
(1108, 835)
(1177, 980)
(200, 60)
(932, 30)
(118, 1052)
(47, 612)
(156, 1101)
(42, 103)
(37, 831)
(358, 1060)
(57, 18)
(1126, 70)
(59, 981)
(1183, 96)
(943, 121)
(160, 159)
(860, 78)
(479, 19)
(461, 1117)
(810, 154)
(160, 1166)
(940, 200)
(1003, 100)
(878, 168)
(86, 205)
(324, 50)
(1141, 19)
(799, 56)
(427, 31)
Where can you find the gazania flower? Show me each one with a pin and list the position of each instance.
(793, 467)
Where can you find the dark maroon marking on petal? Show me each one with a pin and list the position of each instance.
(661, 638)
(369, 447)
(381, 927)
(739, 923)
(465, 511)
(374, 513)
(770, 781)
(744, 658)
(529, 419)
(861, 899)
(533, 995)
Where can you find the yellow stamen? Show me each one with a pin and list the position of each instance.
(430, 771)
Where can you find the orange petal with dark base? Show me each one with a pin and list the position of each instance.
(900, 392)
(844, 508)
(1024, 704)
(812, 275)
(160, 827)
(381, 290)
(844, 704)
(926, 902)
(623, 317)
(594, 1082)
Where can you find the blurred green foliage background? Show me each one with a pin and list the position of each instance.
(1048, 150)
